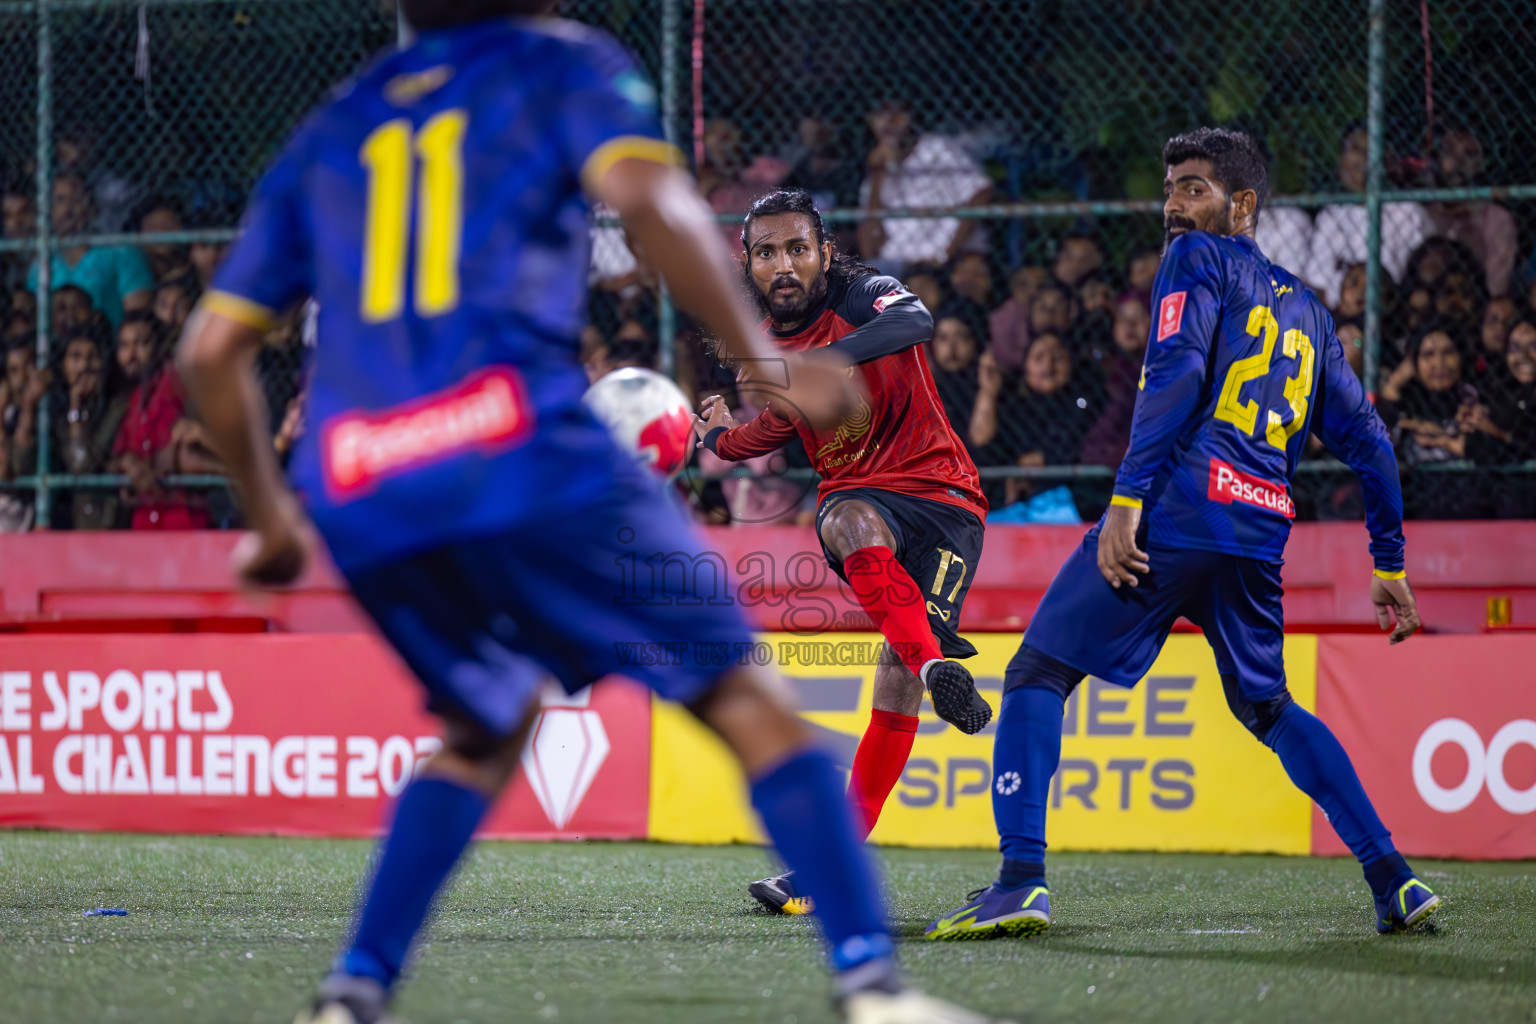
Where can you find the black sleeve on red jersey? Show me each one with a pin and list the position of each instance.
(887, 319)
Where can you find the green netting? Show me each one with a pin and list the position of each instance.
(978, 148)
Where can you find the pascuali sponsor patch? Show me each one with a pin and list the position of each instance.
(1228, 484)
(487, 410)
(1170, 315)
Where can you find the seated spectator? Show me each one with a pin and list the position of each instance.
(112, 195)
(929, 283)
(18, 219)
(1459, 297)
(819, 163)
(1499, 316)
(765, 496)
(1141, 272)
(1421, 295)
(147, 446)
(1092, 338)
(1079, 255)
(729, 181)
(1351, 305)
(174, 300)
(1505, 428)
(88, 405)
(25, 385)
(1486, 228)
(205, 258)
(23, 312)
(970, 275)
(18, 376)
(633, 344)
(1422, 398)
(1502, 428)
(1095, 295)
(958, 341)
(1045, 418)
(116, 277)
(1352, 336)
(70, 311)
(1339, 234)
(1054, 310)
(1008, 324)
(1110, 435)
(159, 217)
(906, 168)
(1424, 402)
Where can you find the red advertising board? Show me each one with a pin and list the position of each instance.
(298, 735)
(1443, 733)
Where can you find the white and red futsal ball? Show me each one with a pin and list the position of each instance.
(647, 414)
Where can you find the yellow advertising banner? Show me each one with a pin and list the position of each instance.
(1163, 766)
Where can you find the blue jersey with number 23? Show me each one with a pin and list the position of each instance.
(1241, 364)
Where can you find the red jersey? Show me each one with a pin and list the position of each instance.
(900, 439)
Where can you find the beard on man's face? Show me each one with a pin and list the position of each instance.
(1221, 224)
(788, 299)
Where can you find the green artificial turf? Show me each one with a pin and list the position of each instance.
(237, 930)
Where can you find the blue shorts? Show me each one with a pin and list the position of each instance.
(1117, 634)
(619, 588)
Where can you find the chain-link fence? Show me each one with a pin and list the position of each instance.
(1003, 158)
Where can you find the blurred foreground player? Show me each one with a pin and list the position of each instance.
(1241, 363)
(901, 509)
(435, 210)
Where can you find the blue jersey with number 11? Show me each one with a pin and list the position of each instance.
(1242, 362)
(435, 209)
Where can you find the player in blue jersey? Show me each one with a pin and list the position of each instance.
(437, 210)
(1242, 362)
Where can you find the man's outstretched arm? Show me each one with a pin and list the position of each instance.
(217, 359)
(1348, 425)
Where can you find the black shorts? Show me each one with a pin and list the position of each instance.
(939, 545)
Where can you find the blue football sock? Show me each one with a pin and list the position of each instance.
(1016, 874)
(1025, 754)
(1386, 874)
(810, 822)
(1317, 763)
(434, 821)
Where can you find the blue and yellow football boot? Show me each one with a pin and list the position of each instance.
(994, 912)
(1406, 908)
(778, 895)
(343, 999)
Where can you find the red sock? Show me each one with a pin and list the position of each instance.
(887, 594)
(879, 762)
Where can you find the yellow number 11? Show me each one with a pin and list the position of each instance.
(440, 217)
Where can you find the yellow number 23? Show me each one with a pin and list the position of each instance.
(1230, 408)
(440, 217)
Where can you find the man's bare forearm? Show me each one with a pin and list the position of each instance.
(216, 361)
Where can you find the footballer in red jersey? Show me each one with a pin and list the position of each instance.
(900, 506)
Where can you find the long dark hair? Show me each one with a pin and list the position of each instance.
(844, 267)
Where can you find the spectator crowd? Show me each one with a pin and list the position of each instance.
(114, 402)
(1036, 354)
